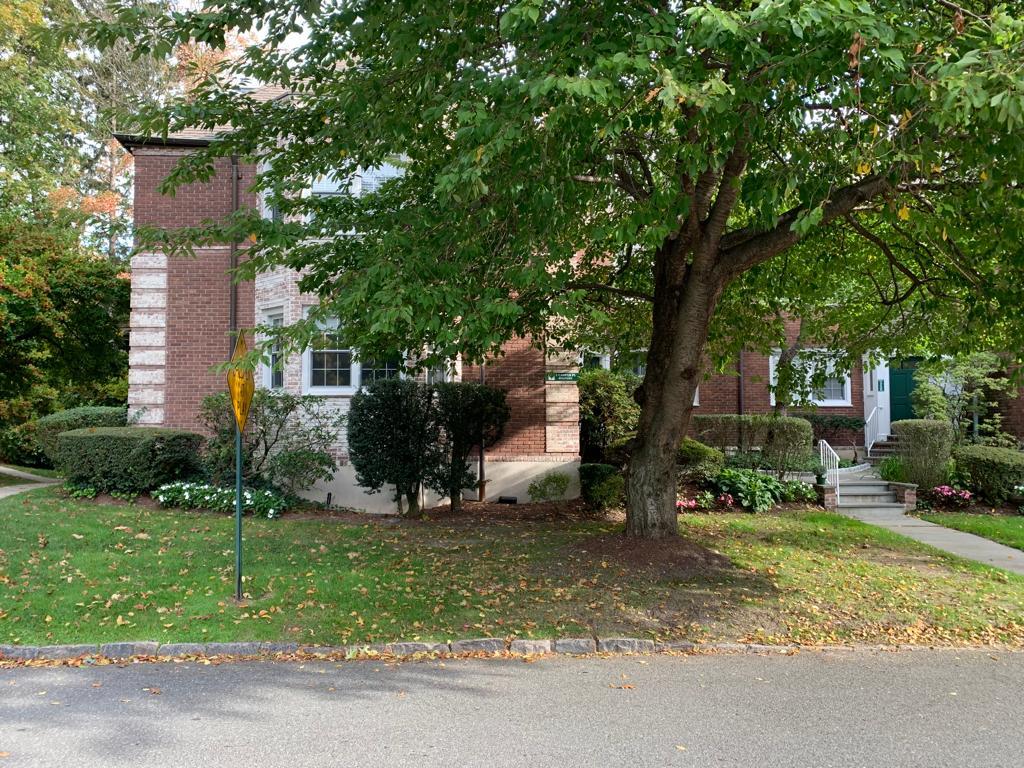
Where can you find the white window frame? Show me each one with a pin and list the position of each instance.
(269, 315)
(355, 367)
(355, 377)
(846, 402)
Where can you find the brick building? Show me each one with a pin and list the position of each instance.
(184, 309)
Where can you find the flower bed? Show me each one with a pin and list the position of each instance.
(215, 498)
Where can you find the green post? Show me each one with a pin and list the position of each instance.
(238, 513)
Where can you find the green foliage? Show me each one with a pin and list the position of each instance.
(394, 438)
(780, 443)
(127, 459)
(757, 460)
(698, 462)
(798, 491)
(925, 447)
(286, 444)
(47, 428)
(63, 314)
(754, 490)
(992, 473)
(827, 424)
(619, 451)
(550, 487)
(788, 443)
(18, 445)
(602, 486)
(80, 490)
(961, 389)
(185, 495)
(466, 413)
(893, 469)
(608, 412)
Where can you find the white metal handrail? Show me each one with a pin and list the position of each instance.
(871, 429)
(830, 460)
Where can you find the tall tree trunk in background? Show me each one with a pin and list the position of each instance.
(784, 372)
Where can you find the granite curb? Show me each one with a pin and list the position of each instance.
(488, 646)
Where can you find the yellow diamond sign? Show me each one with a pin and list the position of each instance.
(241, 383)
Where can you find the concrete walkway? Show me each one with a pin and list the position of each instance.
(956, 542)
(31, 482)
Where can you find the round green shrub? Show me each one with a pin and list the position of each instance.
(992, 473)
(925, 446)
(128, 459)
(47, 428)
(698, 462)
(602, 485)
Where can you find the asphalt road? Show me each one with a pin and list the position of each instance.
(863, 708)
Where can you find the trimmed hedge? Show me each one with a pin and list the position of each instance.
(992, 473)
(601, 485)
(750, 431)
(925, 447)
(49, 427)
(128, 459)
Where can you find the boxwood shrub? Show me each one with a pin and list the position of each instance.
(992, 473)
(47, 428)
(601, 485)
(925, 446)
(127, 459)
(698, 462)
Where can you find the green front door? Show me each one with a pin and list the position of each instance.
(901, 384)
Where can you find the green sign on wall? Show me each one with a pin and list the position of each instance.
(562, 376)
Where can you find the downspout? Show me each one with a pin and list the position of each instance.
(741, 397)
(233, 300)
(481, 475)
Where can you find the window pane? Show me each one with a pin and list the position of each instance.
(276, 356)
(329, 366)
(375, 370)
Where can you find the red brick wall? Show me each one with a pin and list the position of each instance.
(520, 372)
(198, 289)
(191, 204)
(720, 393)
(198, 296)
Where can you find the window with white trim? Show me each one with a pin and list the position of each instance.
(379, 369)
(835, 391)
(273, 370)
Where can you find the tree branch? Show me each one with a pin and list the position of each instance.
(601, 287)
(748, 247)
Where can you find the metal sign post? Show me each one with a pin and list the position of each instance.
(241, 385)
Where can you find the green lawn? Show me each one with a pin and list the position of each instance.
(1006, 529)
(9, 480)
(78, 571)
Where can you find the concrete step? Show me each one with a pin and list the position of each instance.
(866, 499)
(877, 506)
(864, 486)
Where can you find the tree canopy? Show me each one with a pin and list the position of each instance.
(566, 161)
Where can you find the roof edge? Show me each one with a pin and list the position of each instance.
(130, 141)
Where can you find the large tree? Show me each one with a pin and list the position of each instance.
(562, 157)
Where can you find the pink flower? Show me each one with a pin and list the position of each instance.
(686, 504)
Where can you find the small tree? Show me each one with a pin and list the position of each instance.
(963, 390)
(286, 444)
(468, 414)
(394, 439)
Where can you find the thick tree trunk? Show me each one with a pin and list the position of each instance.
(674, 370)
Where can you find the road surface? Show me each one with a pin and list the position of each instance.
(860, 708)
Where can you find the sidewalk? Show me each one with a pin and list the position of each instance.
(31, 482)
(965, 545)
